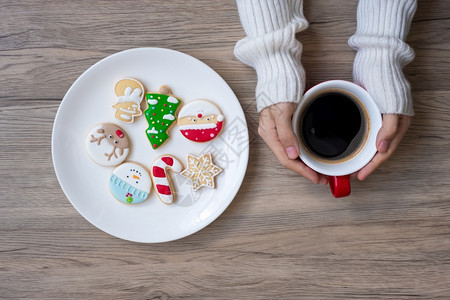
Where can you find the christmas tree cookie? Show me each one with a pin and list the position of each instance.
(160, 115)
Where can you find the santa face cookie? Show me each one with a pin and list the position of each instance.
(130, 93)
(160, 115)
(200, 121)
(107, 144)
(130, 183)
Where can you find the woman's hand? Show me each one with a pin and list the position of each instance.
(391, 133)
(275, 127)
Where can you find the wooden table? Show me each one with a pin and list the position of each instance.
(282, 237)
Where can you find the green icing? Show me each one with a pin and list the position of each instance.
(160, 115)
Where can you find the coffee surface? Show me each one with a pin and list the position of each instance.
(332, 126)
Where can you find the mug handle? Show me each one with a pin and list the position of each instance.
(340, 185)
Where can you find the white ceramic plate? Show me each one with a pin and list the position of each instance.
(88, 102)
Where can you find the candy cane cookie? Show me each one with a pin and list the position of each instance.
(161, 180)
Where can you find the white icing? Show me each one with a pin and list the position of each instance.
(169, 117)
(125, 116)
(135, 175)
(131, 95)
(172, 99)
(193, 108)
(197, 126)
(128, 111)
(97, 152)
(220, 118)
(152, 101)
(153, 130)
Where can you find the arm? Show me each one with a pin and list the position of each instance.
(272, 50)
(382, 27)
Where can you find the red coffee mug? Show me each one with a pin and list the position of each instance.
(338, 169)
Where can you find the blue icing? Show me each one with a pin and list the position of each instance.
(125, 192)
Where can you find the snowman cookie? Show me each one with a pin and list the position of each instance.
(200, 121)
(130, 93)
(130, 183)
(107, 144)
(160, 115)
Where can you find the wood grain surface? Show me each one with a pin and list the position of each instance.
(282, 237)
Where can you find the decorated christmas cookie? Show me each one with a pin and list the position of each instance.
(161, 179)
(130, 93)
(130, 183)
(160, 115)
(107, 144)
(201, 171)
(200, 121)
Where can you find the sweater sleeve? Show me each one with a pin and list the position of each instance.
(272, 49)
(382, 27)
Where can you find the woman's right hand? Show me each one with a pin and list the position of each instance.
(275, 127)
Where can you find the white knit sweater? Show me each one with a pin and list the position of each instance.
(272, 50)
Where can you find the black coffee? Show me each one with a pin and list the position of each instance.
(332, 126)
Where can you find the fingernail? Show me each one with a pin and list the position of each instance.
(292, 152)
(383, 146)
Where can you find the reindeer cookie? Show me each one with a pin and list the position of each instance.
(130, 93)
(107, 144)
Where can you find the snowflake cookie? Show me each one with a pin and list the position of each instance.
(201, 171)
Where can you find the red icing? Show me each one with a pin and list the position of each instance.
(119, 133)
(199, 115)
(163, 189)
(155, 146)
(168, 160)
(203, 135)
(158, 172)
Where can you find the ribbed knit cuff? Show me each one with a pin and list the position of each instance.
(272, 50)
(382, 53)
